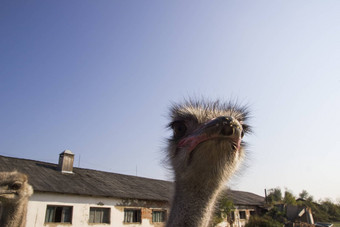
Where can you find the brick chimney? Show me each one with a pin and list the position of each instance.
(66, 159)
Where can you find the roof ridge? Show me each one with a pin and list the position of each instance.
(26, 159)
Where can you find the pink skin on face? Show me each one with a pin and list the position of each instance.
(191, 142)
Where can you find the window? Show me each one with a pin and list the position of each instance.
(242, 214)
(132, 215)
(252, 212)
(158, 216)
(99, 215)
(58, 214)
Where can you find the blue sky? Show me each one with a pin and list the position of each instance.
(98, 77)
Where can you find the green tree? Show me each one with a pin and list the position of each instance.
(275, 195)
(277, 215)
(310, 199)
(224, 207)
(323, 210)
(304, 195)
(332, 210)
(289, 198)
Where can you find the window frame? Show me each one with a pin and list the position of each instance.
(62, 213)
(164, 212)
(108, 218)
(136, 217)
(244, 214)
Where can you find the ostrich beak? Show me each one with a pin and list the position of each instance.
(221, 127)
(7, 194)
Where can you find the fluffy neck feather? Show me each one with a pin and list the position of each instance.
(14, 215)
(193, 206)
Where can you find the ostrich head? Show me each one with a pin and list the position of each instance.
(206, 146)
(14, 187)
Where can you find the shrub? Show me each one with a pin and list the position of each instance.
(264, 221)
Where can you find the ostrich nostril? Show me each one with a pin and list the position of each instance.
(227, 126)
(227, 130)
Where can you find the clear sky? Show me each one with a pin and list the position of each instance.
(97, 77)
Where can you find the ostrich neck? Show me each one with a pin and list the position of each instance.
(14, 215)
(193, 206)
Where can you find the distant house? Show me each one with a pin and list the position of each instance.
(246, 204)
(68, 196)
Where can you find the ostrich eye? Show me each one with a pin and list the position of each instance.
(16, 186)
(179, 129)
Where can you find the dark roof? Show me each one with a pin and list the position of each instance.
(245, 198)
(45, 177)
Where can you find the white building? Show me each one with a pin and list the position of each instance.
(67, 196)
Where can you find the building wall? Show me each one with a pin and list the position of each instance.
(81, 210)
(237, 220)
(241, 221)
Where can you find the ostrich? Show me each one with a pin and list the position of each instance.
(204, 152)
(14, 194)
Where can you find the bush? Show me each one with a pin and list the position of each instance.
(276, 214)
(223, 209)
(264, 221)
